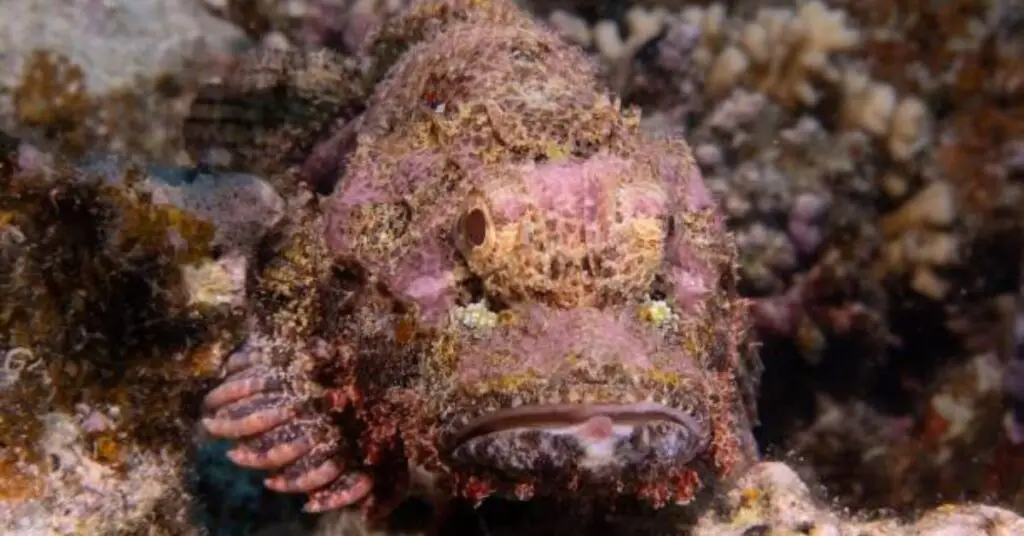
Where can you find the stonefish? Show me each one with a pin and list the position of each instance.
(505, 288)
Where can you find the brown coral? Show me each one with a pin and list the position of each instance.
(52, 95)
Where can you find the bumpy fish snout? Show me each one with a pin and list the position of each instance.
(586, 393)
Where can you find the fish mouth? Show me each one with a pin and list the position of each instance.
(582, 438)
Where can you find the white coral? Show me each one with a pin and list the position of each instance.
(905, 125)
(789, 55)
(782, 52)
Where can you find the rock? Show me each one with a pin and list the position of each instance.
(114, 315)
(87, 74)
(115, 42)
(771, 499)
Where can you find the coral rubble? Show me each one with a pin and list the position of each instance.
(115, 314)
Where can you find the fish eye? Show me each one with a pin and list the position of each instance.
(474, 227)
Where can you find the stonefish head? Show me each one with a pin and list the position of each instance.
(575, 321)
(519, 293)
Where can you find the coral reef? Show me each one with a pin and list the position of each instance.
(866, 155)
(791, 55)
(771, 499)
(959, 447)
(341, 25)
(115, 316)
(866, 165)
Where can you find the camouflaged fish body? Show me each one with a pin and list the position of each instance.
(511, 289)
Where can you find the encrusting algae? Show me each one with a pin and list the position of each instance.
(106, 336)
(52, 94)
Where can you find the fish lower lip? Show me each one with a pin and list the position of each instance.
(552, 416)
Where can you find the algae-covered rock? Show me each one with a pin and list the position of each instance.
(769, 500)
(110, 74)
(115, 311)
(772, 500)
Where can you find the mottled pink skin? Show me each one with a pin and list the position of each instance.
(601, 354)
(360, 188)
(683, 180)
(542, 337)
(586, 221)
(692, 277)
(423, 274)
(590, 192)
(587, 192)
(327, 159)
(560, 188)
(593, 194)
